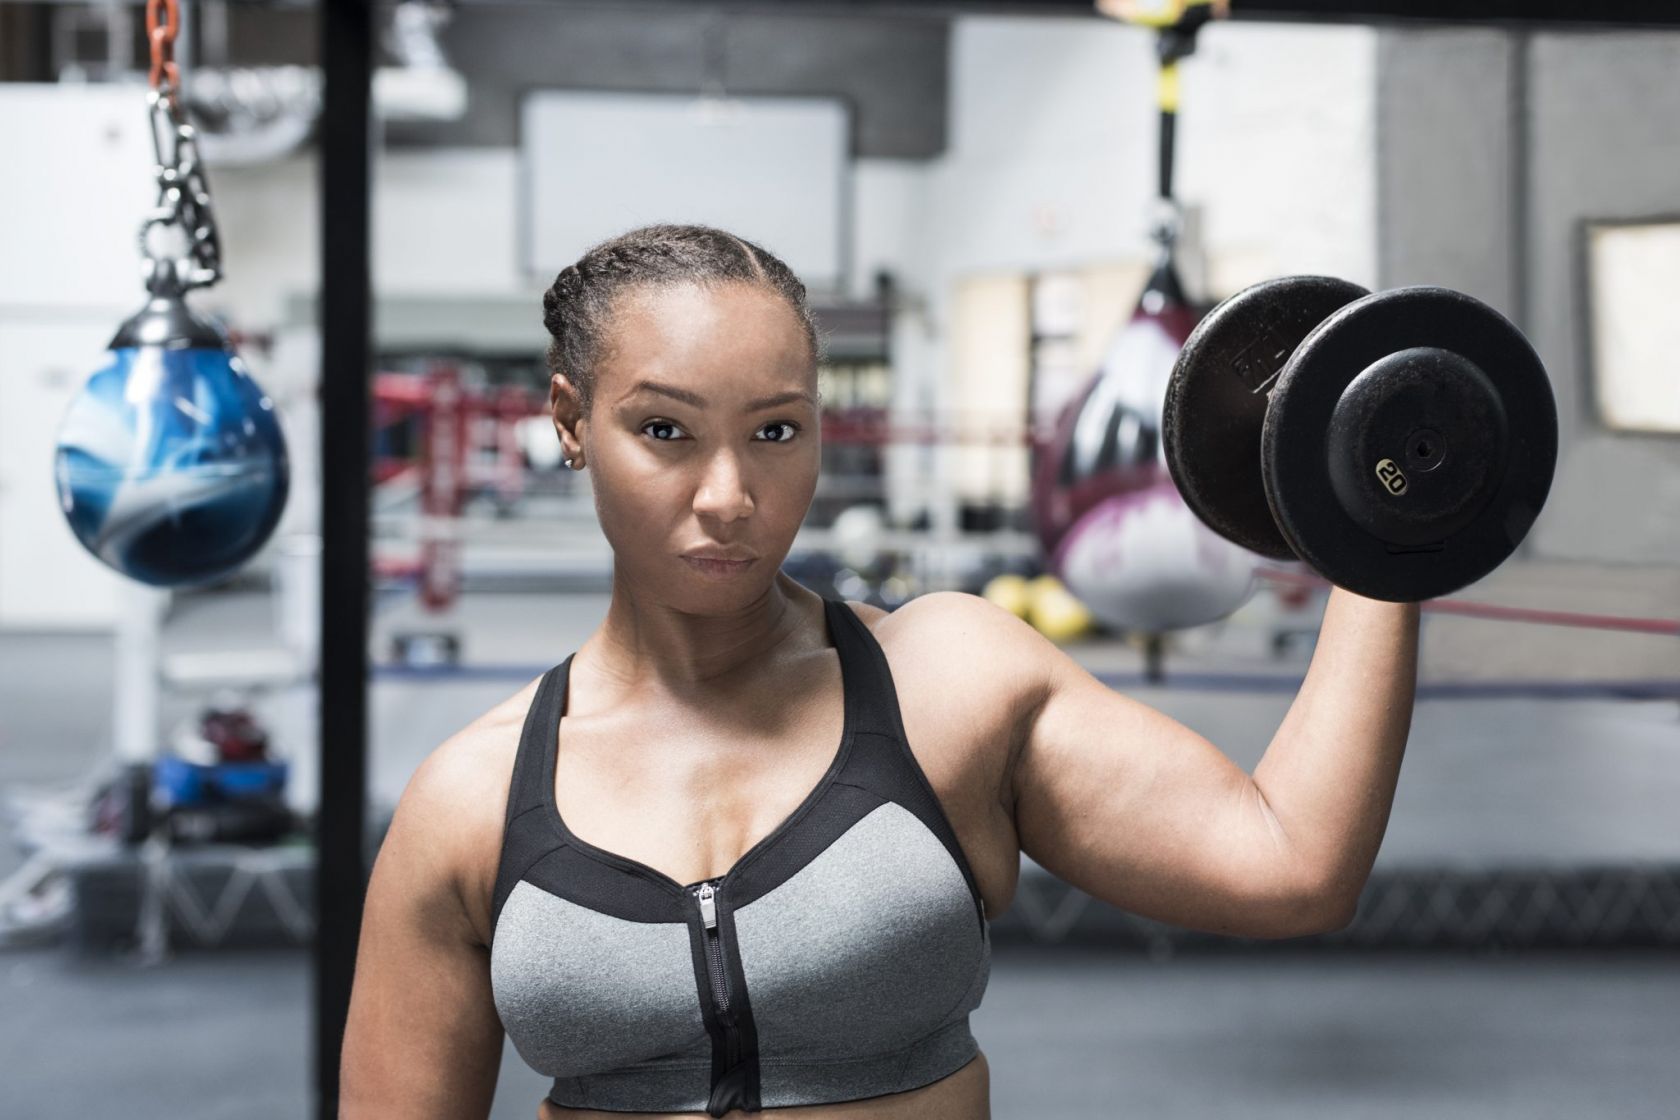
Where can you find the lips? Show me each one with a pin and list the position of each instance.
(719, 564)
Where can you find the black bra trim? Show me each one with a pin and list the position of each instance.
(873, 764)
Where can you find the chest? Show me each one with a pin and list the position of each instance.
(689, 796)
(894, 960)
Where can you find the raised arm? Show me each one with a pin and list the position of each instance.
(1331, 769)
(1136, 809)
(423, 1041)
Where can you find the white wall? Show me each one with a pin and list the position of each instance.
(444, 223)
(890, 201)
(1053, 146)
(1605, 133)
(1053, 156)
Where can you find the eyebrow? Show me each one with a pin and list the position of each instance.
(696, 400)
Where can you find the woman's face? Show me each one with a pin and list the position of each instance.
(703, 435)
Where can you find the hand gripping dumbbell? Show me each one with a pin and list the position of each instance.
(1401, 443)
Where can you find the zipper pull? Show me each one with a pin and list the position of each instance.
(708, 908)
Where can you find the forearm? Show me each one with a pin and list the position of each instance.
(1330, 771)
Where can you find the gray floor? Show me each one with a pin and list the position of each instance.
(1068, 1032)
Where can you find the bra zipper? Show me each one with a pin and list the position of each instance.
(707, 898)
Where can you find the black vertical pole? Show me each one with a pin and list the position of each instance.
(1519, 229)
(346, 30)
(1521, 184)
(1169, 119)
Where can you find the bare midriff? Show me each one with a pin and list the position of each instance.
(964, 1095)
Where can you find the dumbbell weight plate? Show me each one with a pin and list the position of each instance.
(1409, 444)
(1216, 402)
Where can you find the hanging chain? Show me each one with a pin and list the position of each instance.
(183, 191)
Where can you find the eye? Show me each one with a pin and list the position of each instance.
(659, 424)
(791, 427)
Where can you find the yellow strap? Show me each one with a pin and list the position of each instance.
(1158, 14)
(1143, 13)
(1166, 88)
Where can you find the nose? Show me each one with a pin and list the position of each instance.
(722, 492)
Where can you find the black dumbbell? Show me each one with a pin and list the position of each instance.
(1400, 443)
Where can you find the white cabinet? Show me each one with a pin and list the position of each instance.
(69, 274)
(47, 580)
(81, 181)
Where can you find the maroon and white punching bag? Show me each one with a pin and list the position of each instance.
(1105, 510)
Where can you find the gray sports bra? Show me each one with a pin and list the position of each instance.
(838, 959)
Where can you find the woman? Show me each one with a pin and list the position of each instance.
(739, 850)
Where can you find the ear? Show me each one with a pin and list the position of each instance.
(567, 410)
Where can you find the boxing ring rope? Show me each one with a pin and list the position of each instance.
(1652, 689)
(1471, 609)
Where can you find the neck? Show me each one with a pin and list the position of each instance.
(647, 645)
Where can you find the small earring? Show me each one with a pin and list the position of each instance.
(568, 462)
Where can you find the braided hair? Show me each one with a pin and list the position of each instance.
(578, 306)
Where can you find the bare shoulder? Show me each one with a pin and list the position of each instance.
(965, 631)
(964, 665)
(432, 1048)
(933, 615)
(457, 800)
